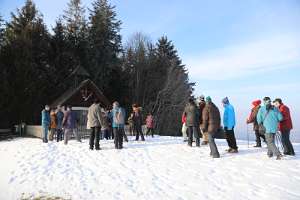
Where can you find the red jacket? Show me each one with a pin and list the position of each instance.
(150, 121)
(286, 124)
(183, 118)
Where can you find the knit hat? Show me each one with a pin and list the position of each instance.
(256, 102)
(208, 99)
(225, 100)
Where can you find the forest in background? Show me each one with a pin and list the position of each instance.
(36, 64)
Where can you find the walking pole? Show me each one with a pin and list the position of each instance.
(248, 136)
(276, 141)
(279, 140)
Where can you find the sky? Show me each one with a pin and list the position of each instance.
(241, 49)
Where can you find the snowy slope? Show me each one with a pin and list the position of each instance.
(160, 168)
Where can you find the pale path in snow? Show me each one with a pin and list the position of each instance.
(160, 168)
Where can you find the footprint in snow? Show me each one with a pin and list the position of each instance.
(12, 179)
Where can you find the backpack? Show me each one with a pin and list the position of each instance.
(119, 117)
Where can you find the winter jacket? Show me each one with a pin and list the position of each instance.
(192, 115)
(53, 120)
(59, 119)
(253, 118)
(211, 118)
(105, 121)
(94, 117)
(183, 118)
(150, 121)
(69, 121)
(286, 124)
(113, 116)
(229, 117)
(201, 107)
(137, 119)
(46, 118)
(270, 119)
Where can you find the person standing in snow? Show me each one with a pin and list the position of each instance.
(110, 121)
(201, 107)
(137, 122)
(46, 123)
(150, 124)
(269, 116)
(118, 116)
(94, 122)
(229, 123)
(192, 122)
(252, 119)
(105, 125)
(285, 127)
(184, 128)
(211, 123)
(53, 125)
(69, 124)
(130, 123)
(59, 121)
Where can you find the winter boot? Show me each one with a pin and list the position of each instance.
(216, 156)
(270, 155)
(204, 143)
(197, 142)
(258, 144)
(233, 151)
(279, 157)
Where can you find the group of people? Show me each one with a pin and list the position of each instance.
(117, 116)
(102, 123)
(202, 120)
(205, 120)
(61, 121)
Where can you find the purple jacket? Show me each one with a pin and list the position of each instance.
(69, 121)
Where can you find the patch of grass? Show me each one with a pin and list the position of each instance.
(43, 197)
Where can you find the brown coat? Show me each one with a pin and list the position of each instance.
(53, 120)
(201, 107)
(211, 119)
(252, 118)
(192, 115)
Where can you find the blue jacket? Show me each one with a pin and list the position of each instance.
(229, 117)
(59, 117)
(270, 120)
(113, 115)
(45, 118)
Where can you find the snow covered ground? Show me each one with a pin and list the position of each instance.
(160, 168)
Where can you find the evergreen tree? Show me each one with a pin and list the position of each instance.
(2, 28)
(4, 123)
(176, 89)
(61, 58)
(35, 66)
(105, 48)
(75, 28)
(26, 64)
